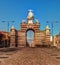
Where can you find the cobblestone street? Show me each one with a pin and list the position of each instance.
(31, 56)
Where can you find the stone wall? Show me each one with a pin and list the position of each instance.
(21, 39)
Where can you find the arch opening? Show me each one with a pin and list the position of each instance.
(29, 37)
(3, 41)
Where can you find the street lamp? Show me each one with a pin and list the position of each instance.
(4, 40)
(52, 25)
(8, 30)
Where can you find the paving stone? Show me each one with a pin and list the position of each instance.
(32, 56)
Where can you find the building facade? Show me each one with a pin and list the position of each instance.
(4, 39)
(18, 38)
(57, 40)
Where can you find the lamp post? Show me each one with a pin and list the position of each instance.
(7, 31)
(52, 25)
(4, 40)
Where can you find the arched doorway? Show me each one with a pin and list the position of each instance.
(3, 40)
(29, 37)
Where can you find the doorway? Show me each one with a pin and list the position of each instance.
(29, 37)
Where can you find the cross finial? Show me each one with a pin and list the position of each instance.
(30, 10)
(23, 20)
(36, 19)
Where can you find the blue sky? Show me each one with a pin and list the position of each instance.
(17, 10)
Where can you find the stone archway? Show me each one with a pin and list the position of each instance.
(30, 37)
(19, 37)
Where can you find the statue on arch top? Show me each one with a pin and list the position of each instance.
(30, 14)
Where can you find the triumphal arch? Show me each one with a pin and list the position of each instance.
(18, 38)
